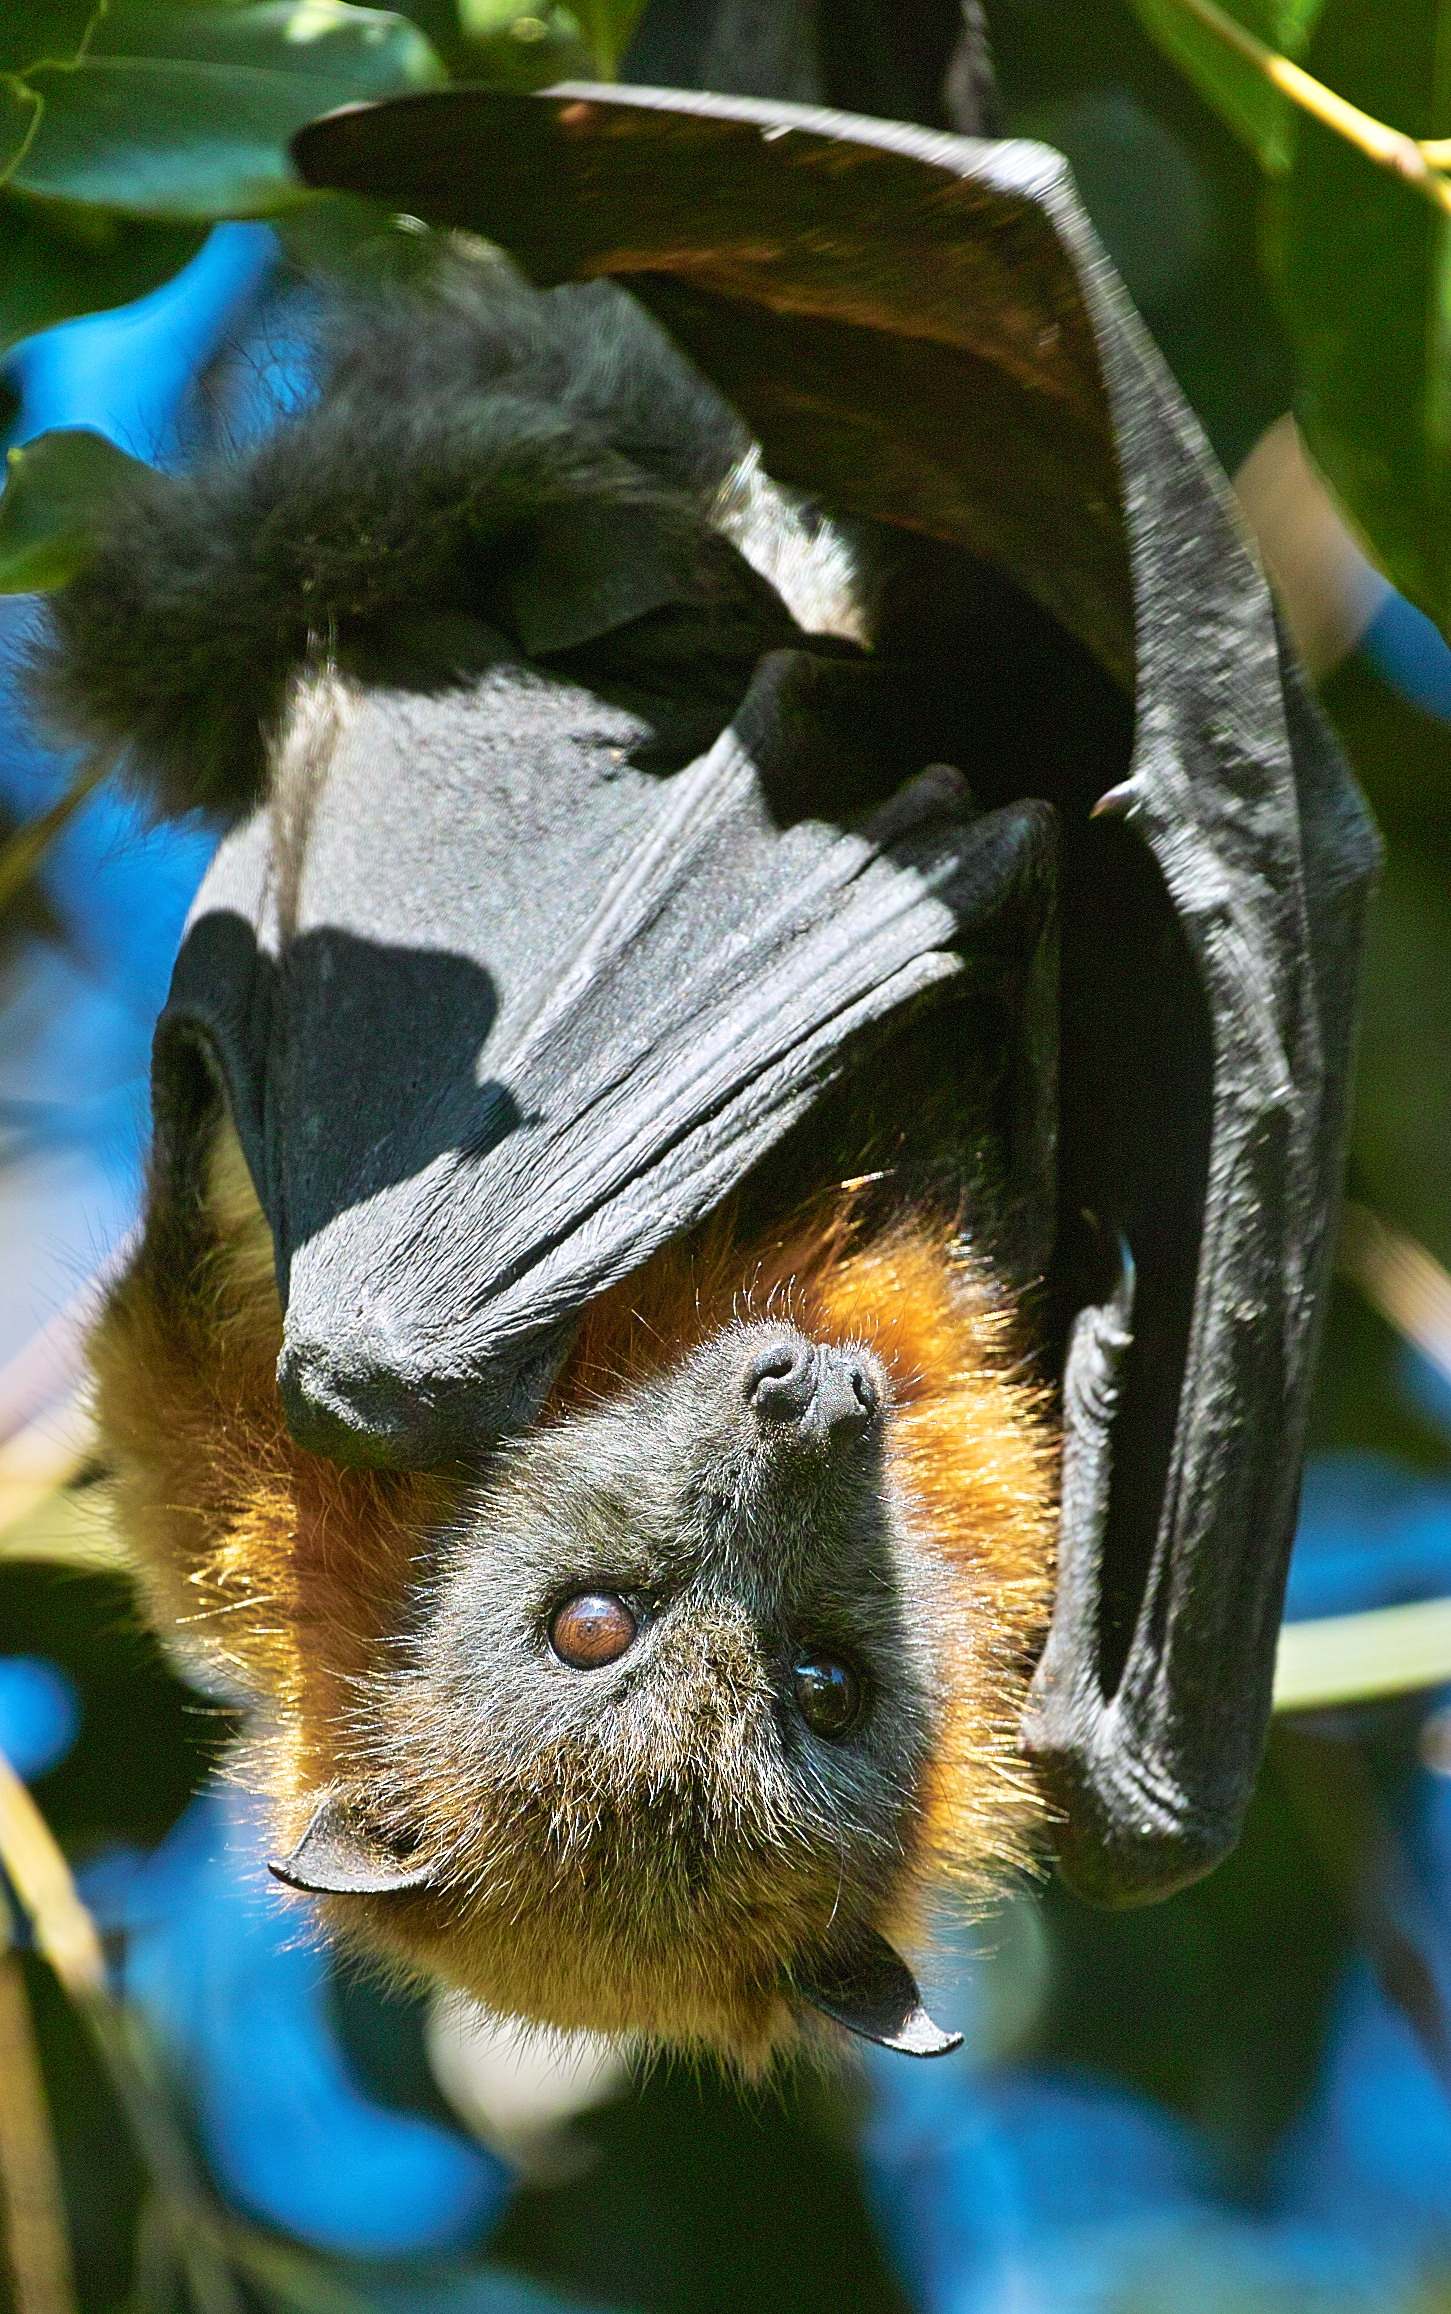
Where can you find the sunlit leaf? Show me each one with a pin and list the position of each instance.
(1367, 267)
(607, 25)
(64, 1529)
(1239, 93)
(56, 493)
(185, 111)
(57, 261)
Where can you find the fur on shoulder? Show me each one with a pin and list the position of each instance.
(457, 424)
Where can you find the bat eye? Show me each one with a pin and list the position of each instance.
(828, 1694)
(592, 1629)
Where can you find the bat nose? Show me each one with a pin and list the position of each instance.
(812, 1386)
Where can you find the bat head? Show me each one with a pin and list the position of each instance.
(696, 1695)
(673, 1678)
(665, 1723)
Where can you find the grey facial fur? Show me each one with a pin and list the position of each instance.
(743, 1538)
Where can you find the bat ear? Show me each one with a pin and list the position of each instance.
(860, 1982)
(338, 1855)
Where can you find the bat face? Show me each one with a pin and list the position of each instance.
(665, 1723)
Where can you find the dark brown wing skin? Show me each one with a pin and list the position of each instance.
(924, 331)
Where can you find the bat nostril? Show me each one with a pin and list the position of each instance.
(847, 1398)
(781, 1380)
(813, 1387)
(865, 1392)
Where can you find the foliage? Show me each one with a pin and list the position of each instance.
(129, 126)
(1375, 365)
(1252, 106)
(57, 490)
(126, 126)
(1357, 241)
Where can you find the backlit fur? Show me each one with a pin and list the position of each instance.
(659, 1880)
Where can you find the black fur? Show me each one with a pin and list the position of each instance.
(453, 419)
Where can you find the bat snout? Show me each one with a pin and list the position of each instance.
(818, 1390)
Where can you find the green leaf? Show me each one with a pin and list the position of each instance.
(57, 489)
(1367, 289)
(1245, 100)
(607, 25)
(344, 233)
(45, 31)
(19, 118)
(185, 111)
(60, 1528)
(516, 45)
(528, 43)
(56, 262)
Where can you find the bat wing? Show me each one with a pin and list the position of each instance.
(488, 1051)
(925, 331)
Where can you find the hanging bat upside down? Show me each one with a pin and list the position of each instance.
(591, 1380)
(659, 1709)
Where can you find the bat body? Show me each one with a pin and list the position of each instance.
(653, 1693)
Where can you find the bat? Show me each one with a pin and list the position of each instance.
(573, 1381)
(640, 1678)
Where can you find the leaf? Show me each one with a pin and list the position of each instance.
(62, 1529)
(1367, 290)
(607, 25)
(57, 488)
(19, 117)
(528, 43)
(185, 111)
(516, 45)
(56, 262)
(1238, 92)
(45, 31)
(343, 234)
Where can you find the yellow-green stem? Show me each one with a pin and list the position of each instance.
(1389, 148)
(66, 1937)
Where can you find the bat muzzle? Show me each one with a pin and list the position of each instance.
(816, 1390)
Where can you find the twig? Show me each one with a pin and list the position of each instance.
(32, 2206)
(22, 854)
(66, 1936)
(1400, 1279)
(1416, 163)
(1330, 1660)
(1381, 1651)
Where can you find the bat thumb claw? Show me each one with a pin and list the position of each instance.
(338, 1855)
(862, 1984)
